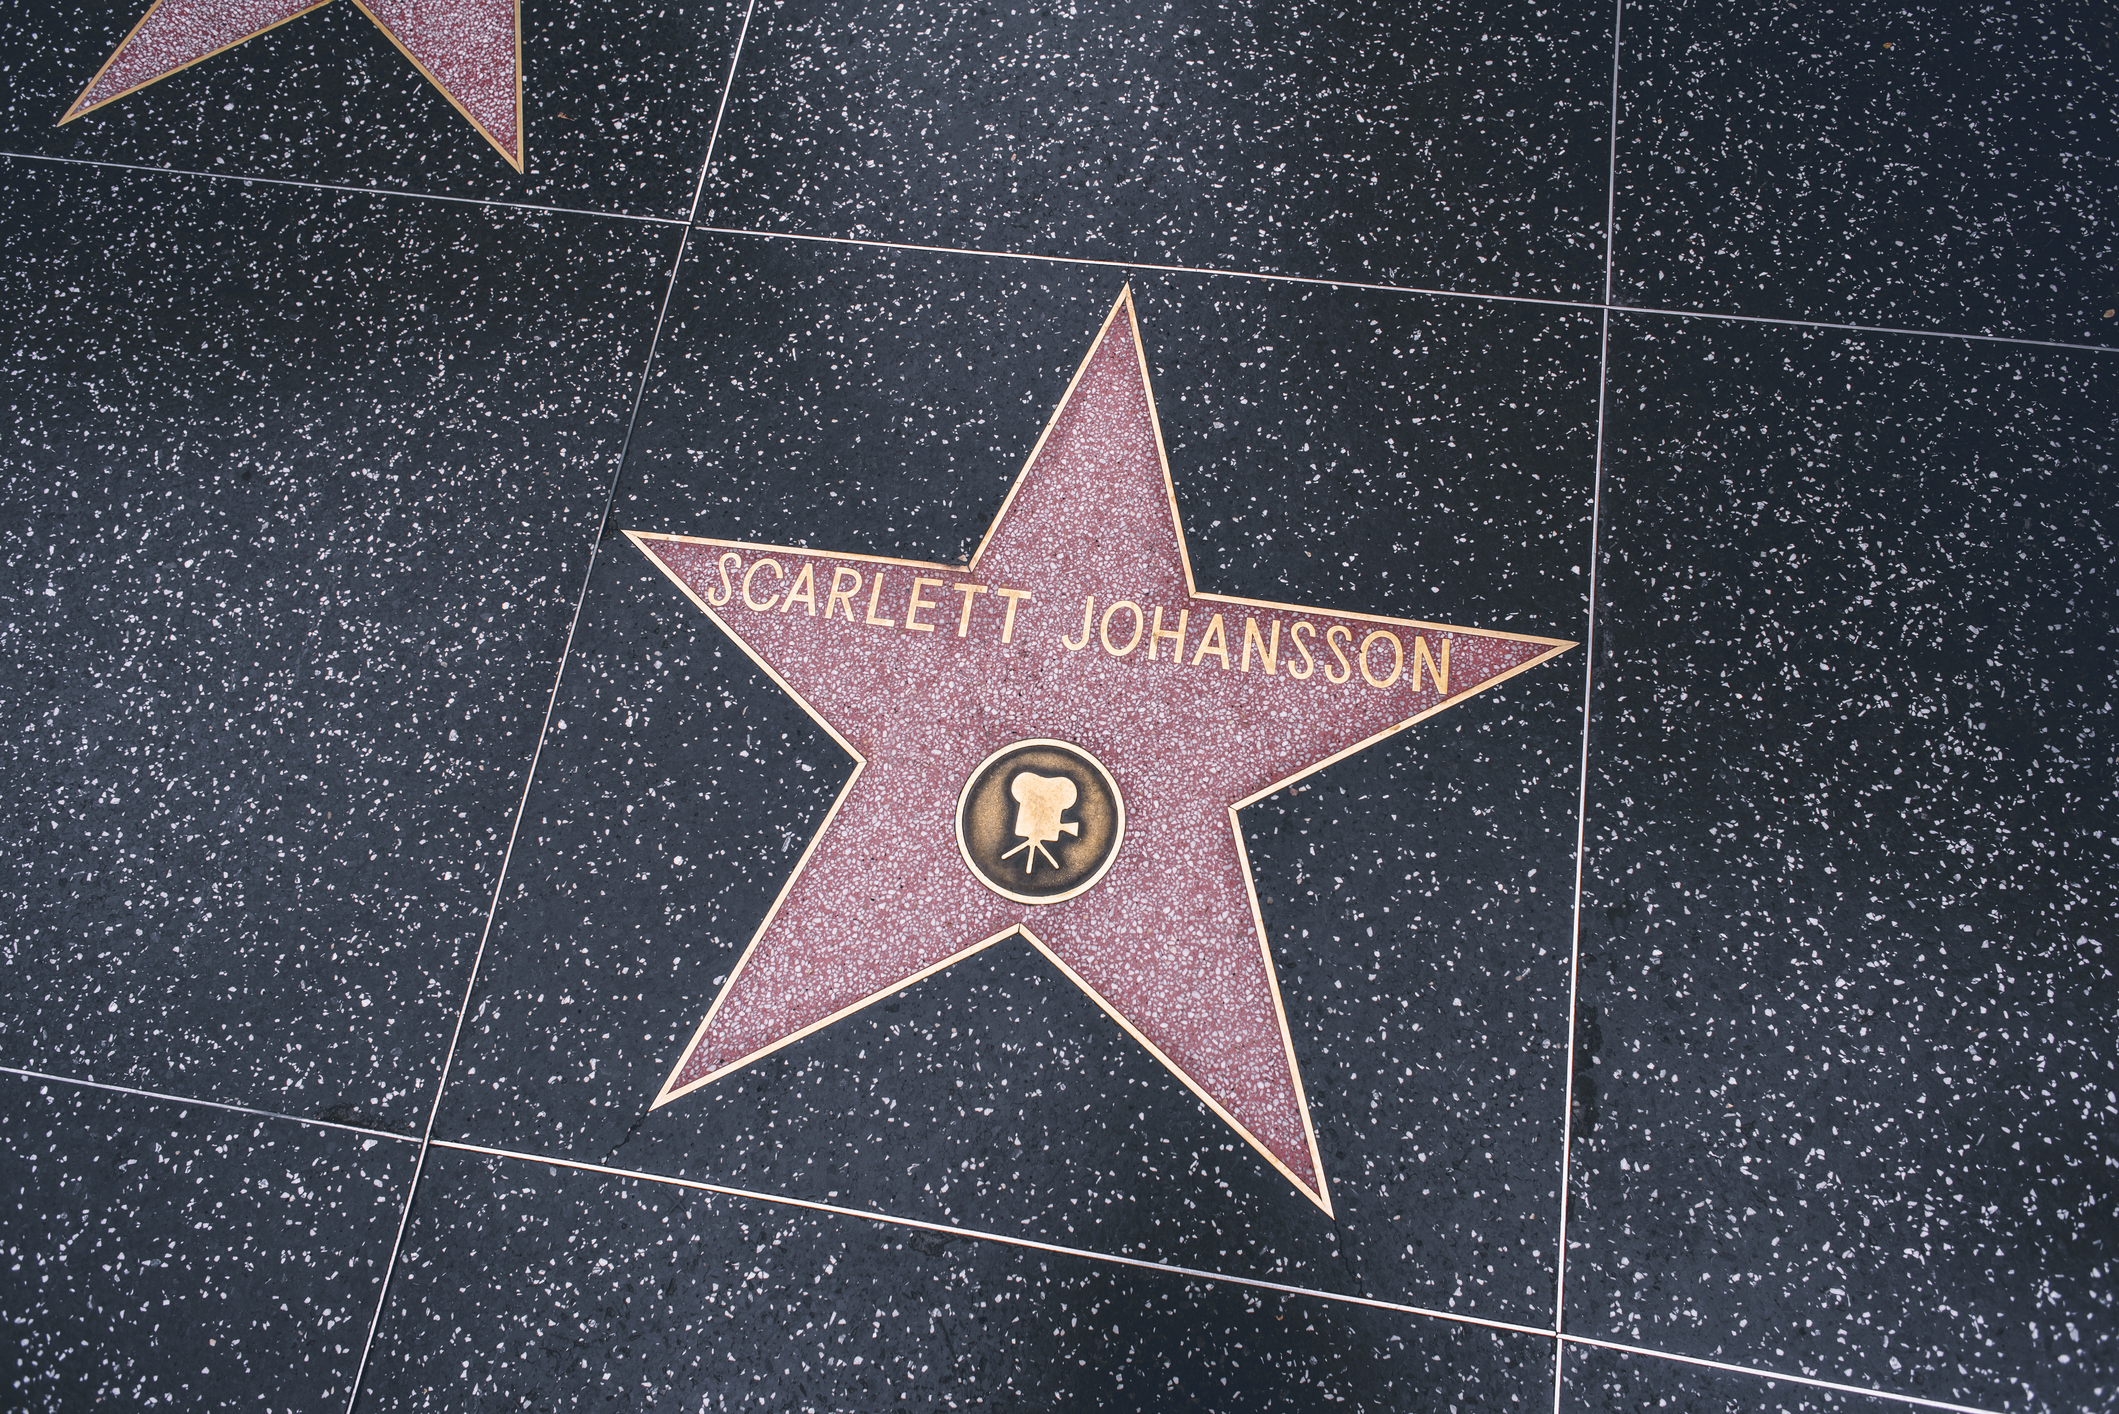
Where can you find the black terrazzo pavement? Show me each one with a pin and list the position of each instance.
(1451, 146)
(1608, 1381)
(526, 1286)
(1844, 930)
(302, 488)
(1920, 166)
(678, 782)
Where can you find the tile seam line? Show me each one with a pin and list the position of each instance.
(1589, 682)
(980, 1234)
(669, 295)
(522, 806)
(345, 189)
(404, 1217)
(1193, 1273)
(167, 1098)
(1329, 282)
(566, 650)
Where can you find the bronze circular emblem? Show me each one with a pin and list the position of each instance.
(1040, 821)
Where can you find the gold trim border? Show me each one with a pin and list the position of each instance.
(1319, 1195)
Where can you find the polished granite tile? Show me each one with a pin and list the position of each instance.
(301, 489)
(527, 1286)
(618, 103)
(1918, 166)
(1440, 145)
(159, 1255)
(1598, 1381)
(1846, 950)
(1401, 454)
(1417, 895)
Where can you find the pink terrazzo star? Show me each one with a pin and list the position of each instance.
(470, 49)
(1076, 621)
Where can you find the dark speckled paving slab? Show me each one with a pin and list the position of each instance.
(1418, 896)
(1846, 958)
(618, 102)
(1444, 145)
(526, 1286)
(1601, 1381)
(1919, 166)
(161, 1255)
(267, 723)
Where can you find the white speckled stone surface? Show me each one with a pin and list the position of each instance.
(617, 101)
(162, 1255)
(359, 776)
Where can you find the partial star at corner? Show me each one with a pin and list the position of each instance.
(469, 49)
